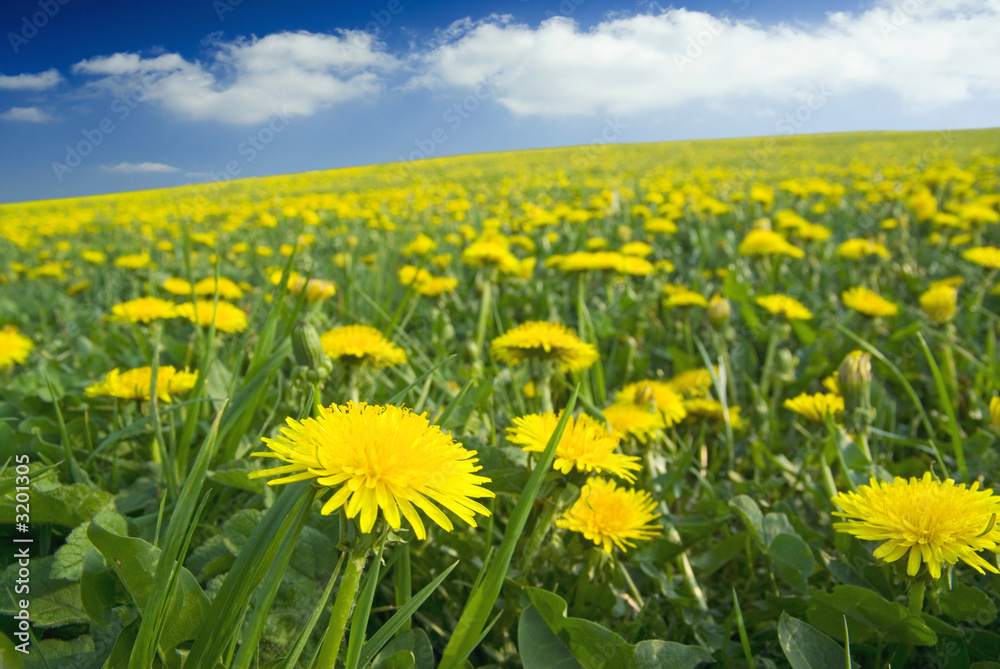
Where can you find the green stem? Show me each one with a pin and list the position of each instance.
(401, 581)
(342, 606)
(537, 536)
(484, 314)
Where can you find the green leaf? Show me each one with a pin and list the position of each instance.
(52, 653)
(654, 654)
(135, 562)
(538, 645)
(869, 616)
(808, 648)
(54, 502)
(54, 601)
(10, 657)
(791, 560)
(98, 588)
(69, 556)
(413, 645)
(751, 514)
(968, 604)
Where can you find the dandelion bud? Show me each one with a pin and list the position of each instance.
(995, 414)
(854, 379)
(308, 350)
(719, 311)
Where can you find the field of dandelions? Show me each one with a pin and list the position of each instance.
(729, 403)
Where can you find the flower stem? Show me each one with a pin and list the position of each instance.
(537, 536)
(484, 313)
(346, 593)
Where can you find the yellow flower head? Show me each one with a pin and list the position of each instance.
(706, 407)
(362, 344)
(316, 290)
(759, 242)
(662, 396)
(14, 347)
(984, 256)
(608, 515)
(855, 249)
(437, 285)
(135, 384)
(178, 286)
(133, 261)
(491, 251)
(94, 257)
(586, 444)
(940, 303)
(783, 305)
(380, 457)
(143, 310)
(228, 290)
(868, 302)
(683, 297)
(995, 413)
(546, 341)
(228, 317)
(692, 382)
(935, 522)
(631, 420)
(816, 407)
(422, 245)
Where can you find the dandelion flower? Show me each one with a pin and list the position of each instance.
(144, 310)
(227, 289)
(14, 347)
(228, 317)
(585, 444)
(783, 305)
(706, 407)
(984, 256)
(94, 257)
(135, 384)
(940, 303)
(608, 515)
(868, 302)
(816, 407)
(362, 344)
(663, 396)
(935, 522)
(380, 458)
(437, 285)
(630, 420)
(855, 249)
(133, 261)
(545, 341)
(179, 287)
(692, 382)
(761, 242)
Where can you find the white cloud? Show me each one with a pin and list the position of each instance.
(249, 80)
(30, 82)
(28, 114)
(137, 168)
(927, 54)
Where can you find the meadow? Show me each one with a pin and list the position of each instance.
(725, 403)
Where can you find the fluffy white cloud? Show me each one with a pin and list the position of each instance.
(137, 168)
(249, 80)
(926, 53)
(28, 114)
(30, 82)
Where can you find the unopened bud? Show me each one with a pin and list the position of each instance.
(854, 379)
(308, 349)
(719, 311)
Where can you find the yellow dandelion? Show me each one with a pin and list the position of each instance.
(608, 515)
(783, 305)
(492, 251)
(179, 287)
(683, 297)
(437, 285)
(995, 413)
(228, 290)
(706, 407)
(759, 242)
(586, 444)
(94, 257)
(940, 303)
(630, 420)
(661, 395)
(14, 347)
(422, 245)
(855, 249)
(984, 256)
(935, 522)
(133, 261)
(868, 302)
(362, 344)
(135, 384)
(816, 407)
(143, 310)
(544, 341)
(228, 317)
(380, 458)
(692, 382)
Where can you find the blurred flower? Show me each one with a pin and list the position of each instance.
(783, 305)
(586, 444)
(855, 249)
(984, 256)
(380, 457)
(362, 344)
(94, 257)
(935, 522)
(144, 310)
(868, 302)
(995, 413)
(608, 515)
(816, 407)
(228, 290)
(544, 341)
(659, 395)
(706, 407)
(178, 287)
(228, 317)
(692, 382)
(135, 384)
(760, 242)
(940, 303)
(14, 347)
(630, 420)
(133, 261)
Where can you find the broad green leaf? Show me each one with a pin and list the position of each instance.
(751, 514)
(968, 604)
(413, 645)
(869, 616)
(54, 601)
(654, 653)
(808, 648)
(538, 645)
(135, 562)
(791, 560)
(98, 588)
(69, 556)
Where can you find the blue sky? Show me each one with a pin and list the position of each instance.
(106, 96)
